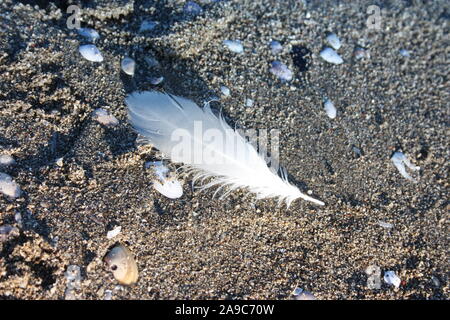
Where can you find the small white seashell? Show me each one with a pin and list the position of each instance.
(331, 56)
(281, 71)
(400, 160)
(8, 186)
(386, 225)
(330, 109)
(391, 278)
(334, 41)
(128, 65)
(105, 118)
(6, 160)
(148, 25)
(122, 264)
(90, 52)
(114, 232)
(249, 102)
(234, 45)
(275, 47)
(300, 294)
(89, 33)
(156, 80)
(166, 185)
(225, 91)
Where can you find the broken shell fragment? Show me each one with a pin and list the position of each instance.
(165, 183)
(121, 262)
(105, 118)
(8, 186)
(91, 53)
(128, 66)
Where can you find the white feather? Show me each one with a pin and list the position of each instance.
(157, 115)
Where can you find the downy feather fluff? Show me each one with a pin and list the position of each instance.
(156, 115)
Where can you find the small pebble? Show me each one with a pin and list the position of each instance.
(6, 160)
(275, 47)
(400, 160)
(334, 41)
(8, 186)
(114, 232)
(128, 65)
(148, 25)
(225, 91)
(390, 277)
(90, 52)
(88, 33)
(105, 118)
(249, 102)
(405, 53)
(330, 109)
(331, 56)
(281, 71)
(234, 45)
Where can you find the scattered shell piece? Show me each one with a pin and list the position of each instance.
(330, 109)
(8, 186)
(386, 225)
(7, 232)
(114, 232)
(249, 102)
(105, 118)
(405, 53)
(192, 8)
(234, 45)
(60, 162)
(275, 47)
(361, 53)
(334, 41)
(165, 184)
(374, 277)
(88, 33)
(391, 278)
(281, 71)
(73, 281)
(90, 52)
(108, 295)
(6, 160)
(148, 25)
(400, 160)
(300, 294)
(122, 264)
(156, 80)
(225, 91)
(331, 56)
(128, 65)
(18, 218)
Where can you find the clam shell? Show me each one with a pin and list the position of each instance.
(121, 262)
